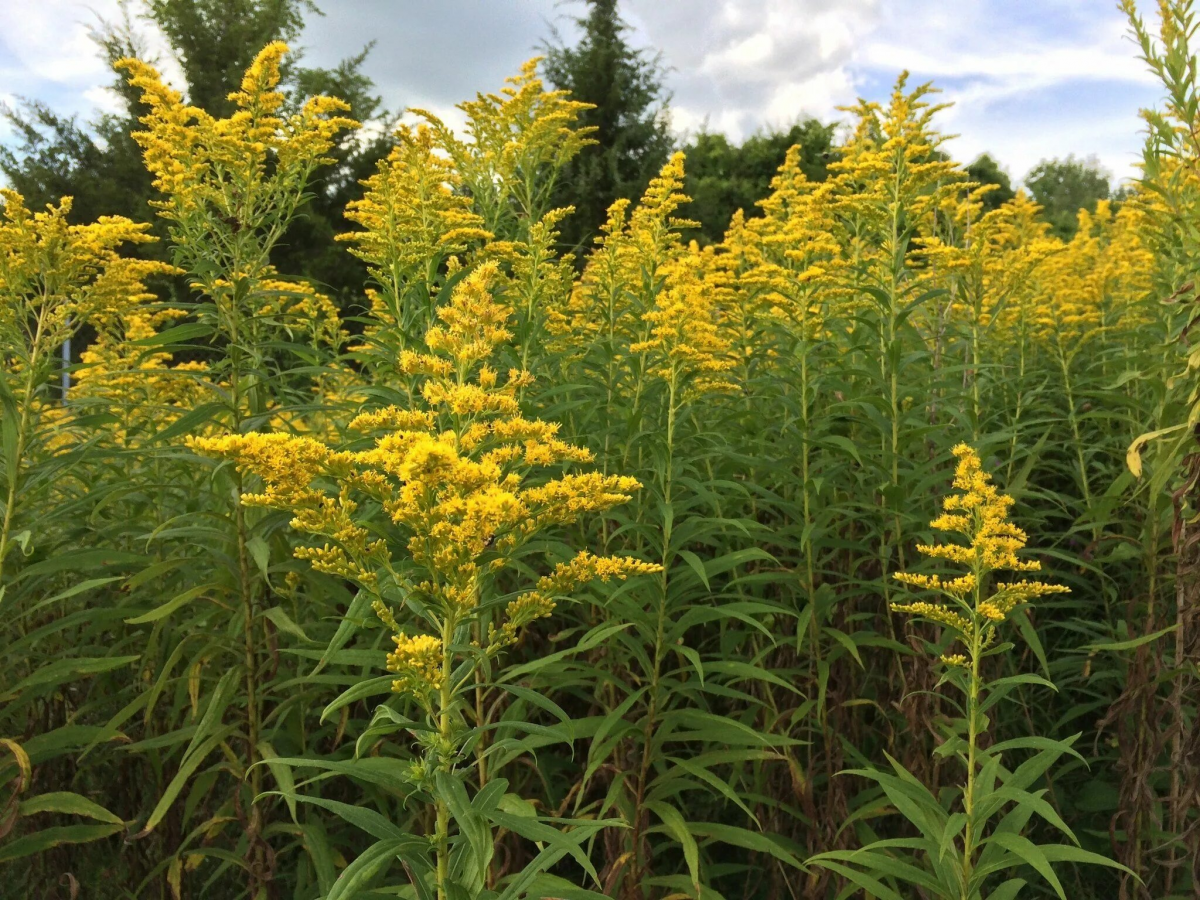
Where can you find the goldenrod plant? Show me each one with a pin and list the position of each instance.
(531, 575)
(1159, 778)
(55, 278)
(520, 139)
(961, 853)
(229, 187)
(426, 521)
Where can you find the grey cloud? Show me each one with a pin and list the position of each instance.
(431, 54)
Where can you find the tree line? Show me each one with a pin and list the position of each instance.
(213, 41)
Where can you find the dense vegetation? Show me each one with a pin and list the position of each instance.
(697, 564)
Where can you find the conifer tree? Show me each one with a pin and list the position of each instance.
(632, 136)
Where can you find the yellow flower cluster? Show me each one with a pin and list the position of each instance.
(1101, 278)
(519, 140)
(231, 185)
(55, 277)
(891, 170)
(646, 304)
(144, 391)
(685, 347)
(624, 273)
(299, 309)
(540, 602)
(452, 476)
(989, 259)
(417, 660)
(220, 166)
(413, 217)
(793, 258)
(979, 513)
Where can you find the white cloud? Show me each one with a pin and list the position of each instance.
(755, 63)
(47, 53)
(1029, 78)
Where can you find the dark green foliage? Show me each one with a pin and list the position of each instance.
(1065, 186)
(56, 156)
(723, 177)
(985, 170)
(632, 135)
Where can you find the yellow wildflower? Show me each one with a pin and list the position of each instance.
(452, 478)
(418, 662)
(978, 513)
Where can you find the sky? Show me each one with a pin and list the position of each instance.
(1028, 79)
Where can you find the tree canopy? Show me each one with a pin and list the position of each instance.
(723, 177)
(1063, 187)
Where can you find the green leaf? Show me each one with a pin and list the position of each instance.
(366, 866)
(1027, 851)
(65, 670)
(1007, 891)
(1067, 853)
(1132, 643)
(67, 802)
(370, 688)
(346, 628)
(746, 839)
(678, 829)
(873, 886)
(281, 620)
(192, 762)
(176, 602)
(41, 841)
(471, 823)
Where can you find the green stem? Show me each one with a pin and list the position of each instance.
(639, 868)
(445, 699)
(21, 443)
(972, 740)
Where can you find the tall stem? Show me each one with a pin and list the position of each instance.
(1084, 482)
(972, 739)
(445, 699)
(249, 606)
(639, 869)
(21, 442)
(250, 654)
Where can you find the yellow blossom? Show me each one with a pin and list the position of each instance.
(418, 662)
(453, 476)
(970, 605)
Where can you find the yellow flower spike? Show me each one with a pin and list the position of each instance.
(979, 513)
(515, 136)
(228, 175)
(56, 277)
(411, 216)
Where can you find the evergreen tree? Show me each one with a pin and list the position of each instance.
(632, 135)
(723, 177)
